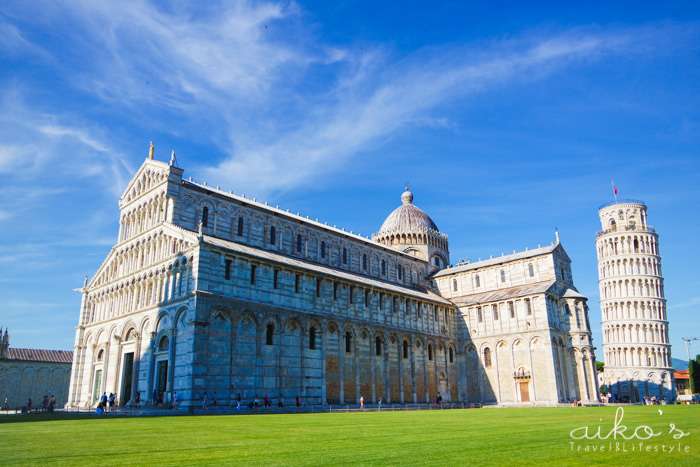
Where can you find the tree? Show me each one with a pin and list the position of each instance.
(694, 374)
(600, 366)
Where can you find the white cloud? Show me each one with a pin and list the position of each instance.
(368, 106)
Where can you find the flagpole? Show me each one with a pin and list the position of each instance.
(614, 190)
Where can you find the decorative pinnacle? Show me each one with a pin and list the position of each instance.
(150, 151)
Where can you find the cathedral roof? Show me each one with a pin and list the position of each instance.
(40, 355)
(407, 218)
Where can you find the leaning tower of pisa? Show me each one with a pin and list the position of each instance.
(635, 326)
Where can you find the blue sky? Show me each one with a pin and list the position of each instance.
(507, 121)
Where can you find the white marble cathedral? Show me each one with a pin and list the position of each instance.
(635, 325)
(208, 291)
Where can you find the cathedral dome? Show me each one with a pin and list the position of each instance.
(407, 218)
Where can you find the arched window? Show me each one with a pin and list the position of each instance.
(487, 357)
(503, 275)
(477, 281)
(364, 262)
(383, 267)
(205, 216)
(405, 349)
(312, 338)
(636, 245)
(479, 315)
(437, 261)
(621, 215)
(298, 243)
(451, 355)
(129, 334)
(494, 308)
(430, 351)
(164, 343)
(323, 249)
(253, 268)
(454, 285)
(399, 271)
(531, 270)
(345, 255)
(348, 342)
(273, 235)
(275, 279)
(378, 346)
(100, 355)
(270, 335)
(239, 231)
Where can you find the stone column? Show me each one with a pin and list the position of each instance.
(171, 358)
(400, 364)
(324, 375)
(341, 365)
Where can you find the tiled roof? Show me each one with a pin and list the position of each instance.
(681, 374)
(344, 275)
(499, 260)
(40, 355)
(503, 294)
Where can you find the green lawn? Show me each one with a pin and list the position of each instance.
(447, 437)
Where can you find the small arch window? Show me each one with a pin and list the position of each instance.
(377, 346)
(477, 281)
(479, 315)
(451, 355)
(531, 270)
(270, 334)
(454, 285)
(364, 262)
(205, 216)
(239, 230)
(100, 355)
(345, 255)
(430, 351)
(323, 249)
(636, 245)
(621, 215)
(383, 267)
(503, 275)
(164, 343)
(348, 342)
(405, 350)
(298, 243)
(487, 357)
(437, 261)
(312, 338)
(273, 235)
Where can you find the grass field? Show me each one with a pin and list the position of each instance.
(530, 436)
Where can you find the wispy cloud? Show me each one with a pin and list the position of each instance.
(692, 302)
(369, 107)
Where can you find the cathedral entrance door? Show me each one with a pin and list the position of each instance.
(524, 391)
(127, 378)
(162, 381)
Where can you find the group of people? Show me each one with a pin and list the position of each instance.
(48, 404)
(254, 403)
(106, 402)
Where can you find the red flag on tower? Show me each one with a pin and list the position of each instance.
(614, 189)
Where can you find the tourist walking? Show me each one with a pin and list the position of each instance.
(362, 402)
(204, 401)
